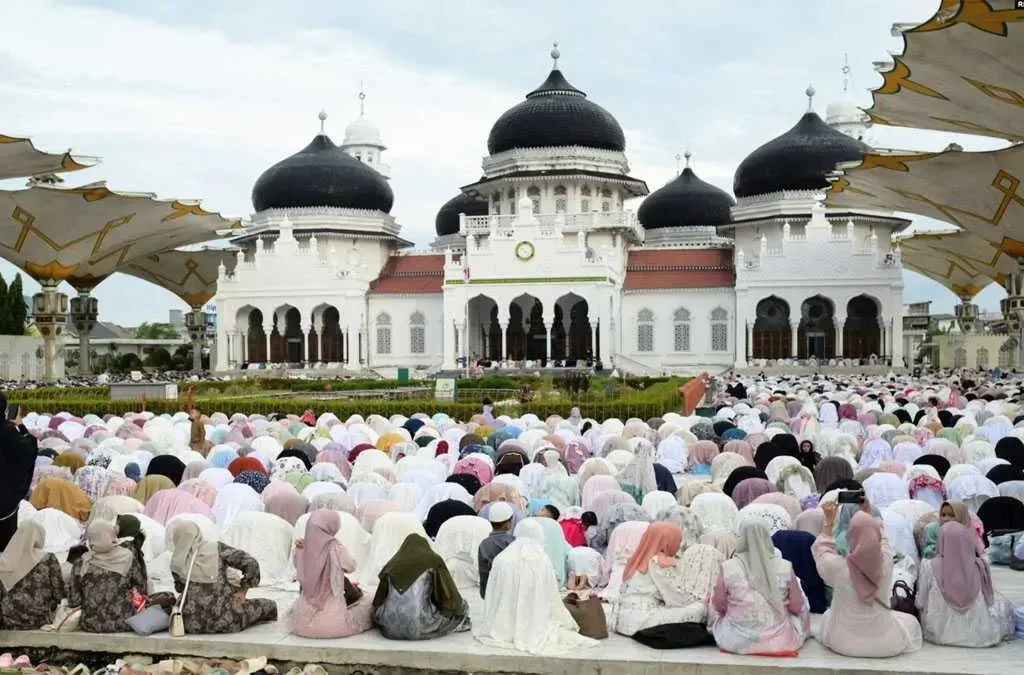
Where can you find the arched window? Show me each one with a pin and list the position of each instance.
(560, 191)
(606, 200)
(383, 333)
(960, 358)
(561, 200)
(719, 330)
(1008, 354)
(982, 357)
(645, 331)
(585, 201)
(681, 330)
(512, 201)
(417, 333)
(533, 193)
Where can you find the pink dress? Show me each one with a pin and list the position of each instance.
(334, 619)
(744, 622)
(852, 627)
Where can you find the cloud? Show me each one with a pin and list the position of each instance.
(196, 99)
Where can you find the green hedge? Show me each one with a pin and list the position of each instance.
(650, 402)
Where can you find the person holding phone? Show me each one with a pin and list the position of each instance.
(860, 622)
(18, 451)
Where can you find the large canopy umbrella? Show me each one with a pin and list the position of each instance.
(19, 157)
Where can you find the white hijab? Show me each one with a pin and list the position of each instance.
(457, 542)
(389, 532)
(268, 539)
(523, 609)
(232, 500)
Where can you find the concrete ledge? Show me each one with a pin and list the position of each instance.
(461, 653)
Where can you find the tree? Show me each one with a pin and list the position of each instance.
(156, 331)
(18, 311)
(5, 319)
(128, 362)
(159, 358)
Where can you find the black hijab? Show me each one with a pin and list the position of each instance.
(1011, 449)
(1002, 473)
(663, 477)
(938, 462)
(740, 474)
(298, 454)
(166, 465)
(466, 480)
(443, 511)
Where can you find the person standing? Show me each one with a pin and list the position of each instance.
(18, 451)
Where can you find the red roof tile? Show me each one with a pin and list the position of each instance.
(410, 274)
(680, 268)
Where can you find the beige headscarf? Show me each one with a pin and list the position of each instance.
(22, 554)
(756, 553)
(104, 551)
(187, 540)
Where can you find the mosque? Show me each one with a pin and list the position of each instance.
(539, 262)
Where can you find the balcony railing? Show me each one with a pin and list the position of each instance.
(551, 226)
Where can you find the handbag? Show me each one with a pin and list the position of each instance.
(588, 613)
(153, 619)
(177, 621)
(904, 599)
(353, 593)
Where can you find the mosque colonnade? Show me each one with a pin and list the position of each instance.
(326, 333)
(853, 326)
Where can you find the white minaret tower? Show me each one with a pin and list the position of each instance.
(844, 115)
(363, 141)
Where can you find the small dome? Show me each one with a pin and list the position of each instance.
(321, 174)
(362, 132)
(799, 159)
(556, 114)
(447, 220)
(686, 201)
(844, 110)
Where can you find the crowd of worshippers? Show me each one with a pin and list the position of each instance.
(866, 513)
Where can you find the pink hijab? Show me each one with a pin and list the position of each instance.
(702, 452)
(864, 560)
(320, 551)
(749, 489)
(166, 504)
(960, 572)
(741, 448)
(595, 486)
(287, 505)
(475, 467)
(204, 492)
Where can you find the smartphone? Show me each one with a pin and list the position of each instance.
(850, 496)
(13, 409)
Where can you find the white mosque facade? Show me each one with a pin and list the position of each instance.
(540, 263)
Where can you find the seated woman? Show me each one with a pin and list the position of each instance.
(212, 605)
(417, 599)
(757, 606)
(652, 593)
(31, 584)
(321, 561)
(103, 581)
(955, 512)
(955, 596)
(523, 609)
(130, 534)
(860, 622)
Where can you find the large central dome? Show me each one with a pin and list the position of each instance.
(556, 114)
(321, 174)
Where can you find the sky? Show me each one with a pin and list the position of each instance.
(194, 99)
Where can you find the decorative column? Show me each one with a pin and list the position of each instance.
(267, 330)
(883, 333)
(462, 346)
(794, 334)
(593, 341)
(195, 322)
(84, 312)
(243, 346)
(749, 330)
(896, 327)
(306, 334)
(840, 322)
(503, 340)
(740, 356)
(49, 312)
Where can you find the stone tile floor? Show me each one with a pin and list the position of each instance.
(462, 653)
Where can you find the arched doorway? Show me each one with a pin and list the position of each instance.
(771, 334)
(817, 332)
(286, 338)
(331, 340)
(256, 338)
(572, 329)
(527, 338)
(483, 331)
(862, 336)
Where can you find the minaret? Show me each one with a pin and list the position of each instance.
(363, 141)
(845, 115)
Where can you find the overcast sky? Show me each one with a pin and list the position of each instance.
(194, 99)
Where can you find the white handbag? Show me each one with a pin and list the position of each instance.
(177, 621)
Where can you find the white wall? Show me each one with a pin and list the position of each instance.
(663, 304)
(400, 309)
(21, 358)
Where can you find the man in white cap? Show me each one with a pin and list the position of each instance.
(500, 514)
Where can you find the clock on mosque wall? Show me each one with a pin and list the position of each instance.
(525, 250)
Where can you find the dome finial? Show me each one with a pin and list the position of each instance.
(687, 155)
(846, 72)
(555, 55)
(323, 118)
(678, 157)
(810, 92)
(362, 99)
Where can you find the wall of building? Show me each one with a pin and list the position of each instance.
(392, 317)
(664, 308)
(21, 358)
(979, 350)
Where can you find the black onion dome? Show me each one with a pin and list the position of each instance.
(556, 114)
(447, 221)
(684, 202)
(799, 159)
(322, 175)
